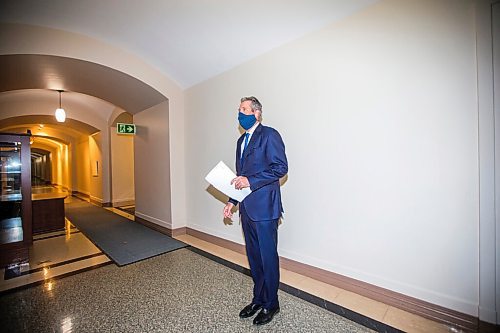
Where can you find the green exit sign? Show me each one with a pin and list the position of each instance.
(122, 128)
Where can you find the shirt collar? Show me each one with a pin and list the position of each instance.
(252, 129)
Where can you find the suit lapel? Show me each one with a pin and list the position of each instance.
(254, 139)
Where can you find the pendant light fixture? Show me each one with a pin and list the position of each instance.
(60, 113)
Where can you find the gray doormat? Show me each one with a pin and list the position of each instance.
(122, 240)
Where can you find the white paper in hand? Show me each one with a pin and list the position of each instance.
(220, 177)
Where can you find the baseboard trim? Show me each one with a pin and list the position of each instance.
(159, 228)
(179, 231)
(95, 200)
(125, 202)
(154, 226)
(80, 194)
(217, 240)
(407, 303)
(153, 219)
(416, 306)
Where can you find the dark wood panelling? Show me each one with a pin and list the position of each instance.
(48, 215)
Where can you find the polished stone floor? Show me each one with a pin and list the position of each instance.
(180, 291)
(59, 290)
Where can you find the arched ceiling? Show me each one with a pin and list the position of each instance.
(33, 122)
(59, 73)
(38, 152)
(189, 41)
(23, 110)
(45, 127)
(46, 144)
(85, 108)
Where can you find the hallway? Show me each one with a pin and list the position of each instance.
(386, 111)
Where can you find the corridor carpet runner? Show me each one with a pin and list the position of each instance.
(123, 240)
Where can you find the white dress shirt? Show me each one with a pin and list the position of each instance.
(250, 131)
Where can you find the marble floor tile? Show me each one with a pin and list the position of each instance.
(363, 305)
(411, 323)
(291, 278)
(237, 258)
(52, 255)
(320, 289)
(51, 234)
(48, 274)
(58, 249)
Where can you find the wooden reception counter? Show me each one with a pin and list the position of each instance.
(48, 211)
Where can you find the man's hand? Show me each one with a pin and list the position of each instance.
(240, 182)
(228, 213)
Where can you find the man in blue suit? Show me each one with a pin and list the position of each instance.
(260, 163)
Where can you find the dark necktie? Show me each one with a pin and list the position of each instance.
(246, 141)
(245, 145)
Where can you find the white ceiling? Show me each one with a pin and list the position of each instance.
(188, 40)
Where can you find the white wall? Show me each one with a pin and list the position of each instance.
(122, 160)
(122, 168)
(95, 161)
(489, 268)
(152, 165)
(379, 117)
(495, 207)
(81, 167)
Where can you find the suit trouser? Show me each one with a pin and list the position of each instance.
(261, 241)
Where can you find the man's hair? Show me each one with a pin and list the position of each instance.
(255, 105)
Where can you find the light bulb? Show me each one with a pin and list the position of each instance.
(60, 115)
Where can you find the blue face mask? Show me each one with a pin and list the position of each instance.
(246, 121)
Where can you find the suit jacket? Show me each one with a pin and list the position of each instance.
(263, 163)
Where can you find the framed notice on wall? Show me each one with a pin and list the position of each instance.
(95, 169)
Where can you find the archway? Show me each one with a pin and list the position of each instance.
(134, 77)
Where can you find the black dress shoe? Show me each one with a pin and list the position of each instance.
(265, 316)
(250, 310)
